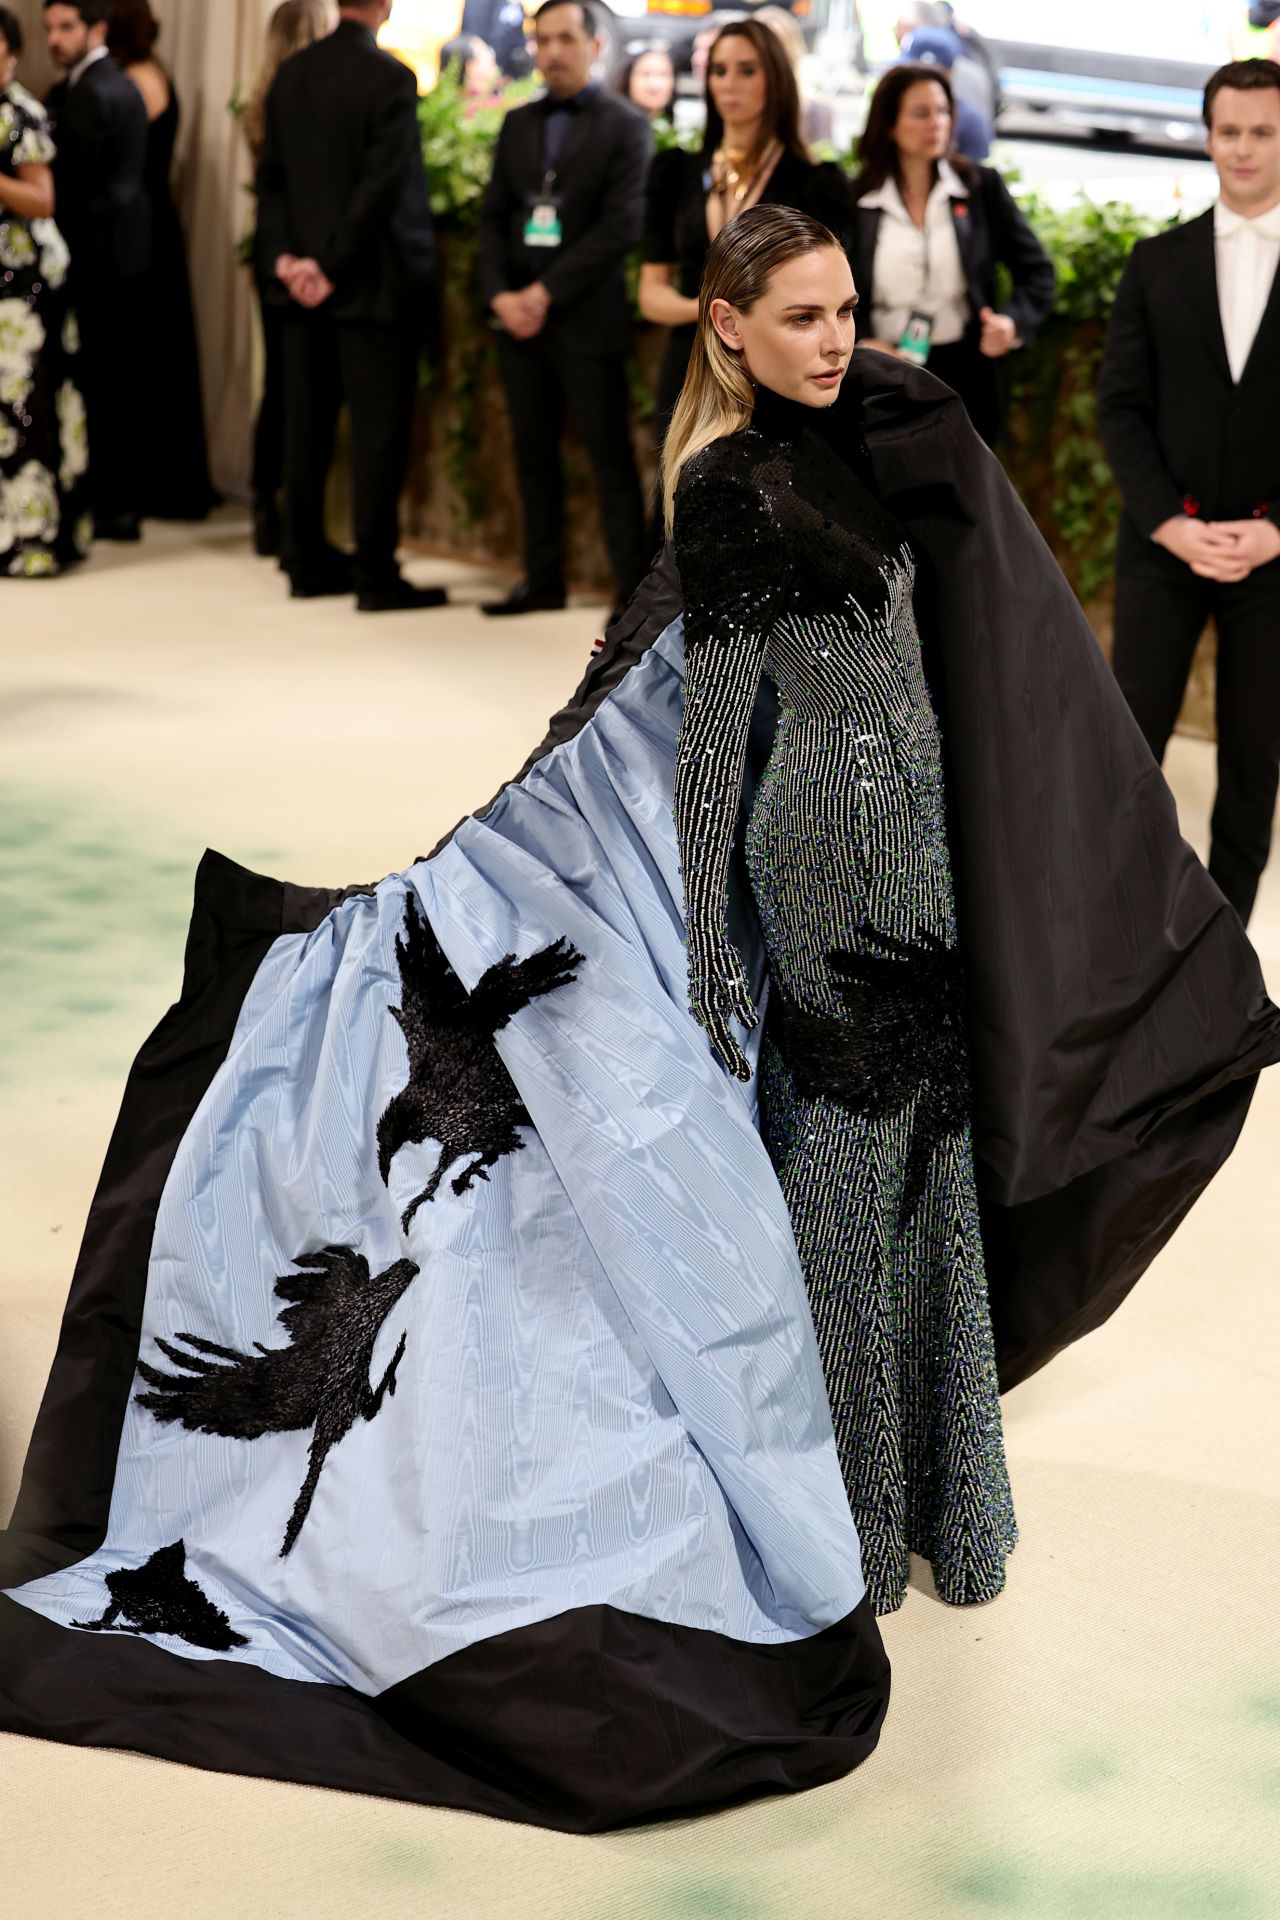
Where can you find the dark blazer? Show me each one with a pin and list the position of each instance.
(1175, 424)
(341, 178)
(992, 231)
(600, 177)
(100, 130)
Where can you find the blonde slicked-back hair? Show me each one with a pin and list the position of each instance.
(717, 396)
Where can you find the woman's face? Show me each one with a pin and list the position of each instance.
(652, 82)
(8, 62)
(482, 74)
(922, 129)
(798, 337)
(736, 81)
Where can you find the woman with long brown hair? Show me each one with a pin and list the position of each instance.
(295, 24)
(753, 153)
(930, 230)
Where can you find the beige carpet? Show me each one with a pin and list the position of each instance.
(1101, 1743)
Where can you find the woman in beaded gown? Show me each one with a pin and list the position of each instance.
(793, 571)
(437, 1411)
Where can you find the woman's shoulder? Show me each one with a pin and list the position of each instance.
(731, 476)
(155, 86)
(673, 169)
(25, 106)
(677, 163)
(731, 457)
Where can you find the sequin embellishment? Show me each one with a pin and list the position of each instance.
(161, 1597)
(320, 1380)
(458, 1092)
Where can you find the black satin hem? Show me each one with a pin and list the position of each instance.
(593, 1720)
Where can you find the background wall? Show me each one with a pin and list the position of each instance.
(209, 49)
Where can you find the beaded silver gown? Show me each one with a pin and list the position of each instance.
(792, 570)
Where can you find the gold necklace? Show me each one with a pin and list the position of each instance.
(731, 173)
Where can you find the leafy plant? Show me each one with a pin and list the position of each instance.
(1055, 404)
(458, 139)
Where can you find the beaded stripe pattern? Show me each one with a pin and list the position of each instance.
(792, 569)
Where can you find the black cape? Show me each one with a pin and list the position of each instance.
(1117, 1013)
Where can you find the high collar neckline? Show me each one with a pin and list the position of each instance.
(783, 419)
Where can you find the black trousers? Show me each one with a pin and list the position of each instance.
(373, 366)
(546, 378)
(268, 428)
(112, 380)
(1162, 608)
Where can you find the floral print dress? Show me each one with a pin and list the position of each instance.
(44, 446)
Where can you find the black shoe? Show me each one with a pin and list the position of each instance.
(524, 599)
(119, 526)
(400, 596)
(318, 586)
(266, 530)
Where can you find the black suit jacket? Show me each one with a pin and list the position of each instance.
(1176, 425)
(600, 176)
(341, 178)
(100, 130)
(991, 230)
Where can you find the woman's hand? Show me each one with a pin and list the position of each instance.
(719, 995)
(999, 334)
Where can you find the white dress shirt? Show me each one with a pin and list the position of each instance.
(919, 269)
(1247, 254)
(94, 53)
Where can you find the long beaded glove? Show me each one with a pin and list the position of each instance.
(732, 576)
(719, 995)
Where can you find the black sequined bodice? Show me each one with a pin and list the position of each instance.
(783, 518)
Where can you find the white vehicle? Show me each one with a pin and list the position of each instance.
(1123, 65)
(1127, 66)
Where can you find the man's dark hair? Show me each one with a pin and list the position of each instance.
(1243, 76)
(10, 30)
(583, 6)
(92, 12)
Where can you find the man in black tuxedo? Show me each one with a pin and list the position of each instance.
(1190, 412)
(100, 129)
(562, 210)
(345, 234)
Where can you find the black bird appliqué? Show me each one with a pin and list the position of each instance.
(161, 1597)
(459, 1092)
(902, 1041)
(320, 1380)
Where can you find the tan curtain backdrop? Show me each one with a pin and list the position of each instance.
(210, 50)
(210, 47)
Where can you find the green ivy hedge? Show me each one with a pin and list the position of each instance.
(1054, 454)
